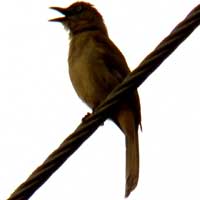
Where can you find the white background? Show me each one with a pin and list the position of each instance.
(39, 109)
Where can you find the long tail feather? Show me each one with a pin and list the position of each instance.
(132, 162)
(125, 119)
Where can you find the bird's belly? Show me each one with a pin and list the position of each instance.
(85, 82)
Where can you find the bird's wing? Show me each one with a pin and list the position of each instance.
(112, 57)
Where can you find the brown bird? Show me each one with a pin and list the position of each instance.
(96, 66)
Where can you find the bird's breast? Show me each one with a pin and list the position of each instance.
(84, 74)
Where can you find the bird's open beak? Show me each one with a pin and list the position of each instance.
(62, 11)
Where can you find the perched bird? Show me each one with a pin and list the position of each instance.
(96, 66)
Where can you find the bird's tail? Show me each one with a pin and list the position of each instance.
(128, 124)
(132, 162)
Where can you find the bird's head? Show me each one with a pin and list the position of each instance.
(79, 17)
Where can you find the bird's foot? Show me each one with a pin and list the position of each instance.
(86, 117)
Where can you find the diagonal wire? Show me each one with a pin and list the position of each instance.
(91, 123)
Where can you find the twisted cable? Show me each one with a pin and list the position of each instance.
(101, 113)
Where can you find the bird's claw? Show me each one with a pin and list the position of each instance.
(86, 117)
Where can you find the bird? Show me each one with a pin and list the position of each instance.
(96, 67)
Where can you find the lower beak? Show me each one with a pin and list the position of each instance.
(58, 19)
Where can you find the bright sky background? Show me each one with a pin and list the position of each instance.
(39, 109)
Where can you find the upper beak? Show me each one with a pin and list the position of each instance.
(61, 10)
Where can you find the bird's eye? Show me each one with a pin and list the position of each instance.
(78, 8)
